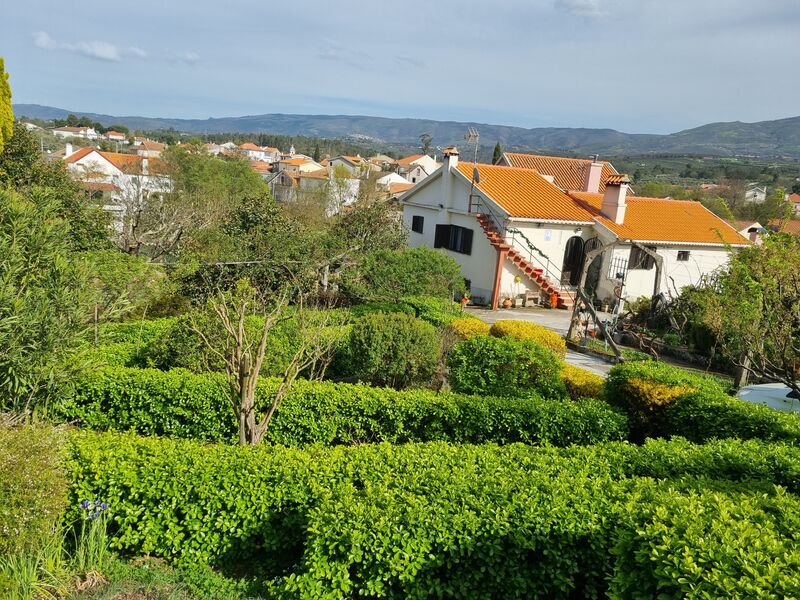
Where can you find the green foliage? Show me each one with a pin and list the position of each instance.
(525, 330)
(43, 302)
(468, 327)
(6, 113)
(645, 389)
(393, 349)
(497, 154)
(436, 311)
(435, 520)
(32, 487)
(392, 274)
(505, 367)
(582, 383)
(662, 400)
(47, 183)
(180, 404)
(139, 332)
(751, 308)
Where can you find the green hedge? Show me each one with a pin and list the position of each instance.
(181, 404)
(33, 490)
(140, 332)
(662, 401)
(435, 520)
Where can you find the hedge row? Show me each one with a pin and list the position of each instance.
(662, 401)
(181, 404)
(435, 520)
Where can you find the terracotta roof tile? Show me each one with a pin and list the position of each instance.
(664, 220)
(567, 173)
(524, 193)
(318, 174)
(792, 226)
(407, 160)
(78, 154)
(399, 188)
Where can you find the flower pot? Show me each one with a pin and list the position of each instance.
(507, 303)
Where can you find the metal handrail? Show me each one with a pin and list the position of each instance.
(552, 272)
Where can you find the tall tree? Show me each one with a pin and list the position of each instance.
(497, 154)
(425, 140)
(6, 113)
(753, 307)
(316, 155)
(43, 301)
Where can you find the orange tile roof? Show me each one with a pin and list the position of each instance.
(794, 198)
(524, 193)
(407, 160)
(295, 161)
(318, 174)
(127, 163)
(399, 188)
(567, 173)
(259, 166)
(250, 146)
(664, 220)
(152, 145)
(78, 154)
(792, 226)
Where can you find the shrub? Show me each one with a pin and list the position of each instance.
(33, 489)
(409, 272)
(436, 311)
(582, 383)
(359, 310)
(433, 520)
(504, 367)
(704, 415)
(180, 404)
(114, 354)
(140, 332)
(524, 330)
(645, 390)
(393, 349)
(468, 327)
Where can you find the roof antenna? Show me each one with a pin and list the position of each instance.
(472, 136)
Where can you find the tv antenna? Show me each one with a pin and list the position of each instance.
(473, 137)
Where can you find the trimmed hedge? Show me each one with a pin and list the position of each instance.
(505, 367)
(467, 328)
(525, 330)
(662, 401)
(582, 383)
(140, 332)
(181, 404)
(435, 520)
(33, 490)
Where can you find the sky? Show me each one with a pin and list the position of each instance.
(639, 66)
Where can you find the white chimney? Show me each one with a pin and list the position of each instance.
(67, 149)
(614, 204)
(145, 166)
(593, 176)
(449, 166)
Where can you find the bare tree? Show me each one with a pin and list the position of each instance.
(243, 353)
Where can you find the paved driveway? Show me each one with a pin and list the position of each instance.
(555, 320)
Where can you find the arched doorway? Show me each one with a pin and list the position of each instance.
(593, 272)
(573, 261)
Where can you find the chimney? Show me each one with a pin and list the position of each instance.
(67, 149)
(448, 167)
(614, 204)
(145, 166)
(593, 175)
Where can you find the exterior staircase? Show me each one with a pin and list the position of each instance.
(566, 294)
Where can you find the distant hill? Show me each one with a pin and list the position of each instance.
(766, 138)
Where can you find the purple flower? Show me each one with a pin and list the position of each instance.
(84, 505)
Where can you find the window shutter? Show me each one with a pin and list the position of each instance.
(466, 241)
(442, 237)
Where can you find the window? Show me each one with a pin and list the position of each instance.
(639, 259)
(455, 238)
(413, 180)
(417, 223)
(683, 255)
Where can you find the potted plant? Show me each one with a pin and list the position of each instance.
(506, 302)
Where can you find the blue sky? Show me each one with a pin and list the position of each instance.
(640, 66)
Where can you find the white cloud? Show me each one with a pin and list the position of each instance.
(188, 58)
(581, 8)
(91, 49)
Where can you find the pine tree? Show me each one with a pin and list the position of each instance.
(315, 156)
(6, 114)
(497, 154)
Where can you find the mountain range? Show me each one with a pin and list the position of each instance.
(778, 138)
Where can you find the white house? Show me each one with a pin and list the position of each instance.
(80, 132)
(358, 167)
(260, 153)
(120, 180)
(115, 136)
(416, 167)
(150, 148)
(515, 233)
(755, 193)
(794, 202)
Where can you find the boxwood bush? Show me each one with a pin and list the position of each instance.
(181, 404)
(505, 367)
(525, 330)
(435, 520)
(582, 383)
(662, 401)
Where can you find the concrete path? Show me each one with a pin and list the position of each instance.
(555, 320)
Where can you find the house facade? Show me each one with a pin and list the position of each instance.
(517, 234)
(87, 133)
(416, 167)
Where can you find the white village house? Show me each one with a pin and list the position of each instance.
(517, 234)
(416, 167)
(88, 133)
